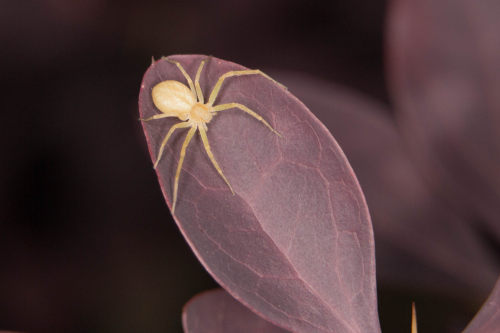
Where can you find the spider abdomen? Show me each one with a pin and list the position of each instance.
(172, 97)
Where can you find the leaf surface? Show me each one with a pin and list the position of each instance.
(444, 73)
(487, 320)
(295, 243)
(420, 241)
(215, 311)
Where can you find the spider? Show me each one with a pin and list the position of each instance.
(175, 99)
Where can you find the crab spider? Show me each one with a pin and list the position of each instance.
(175, 99)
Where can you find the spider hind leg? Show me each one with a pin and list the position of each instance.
(199, 93)
(185, 74)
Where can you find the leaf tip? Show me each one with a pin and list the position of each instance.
(413, 318)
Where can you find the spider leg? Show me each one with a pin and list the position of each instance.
(156, 116)
(164, 142)
(216, 89)
(189, 136)
(242, 107)
(197, 83)
(183, 71)
(204, 138)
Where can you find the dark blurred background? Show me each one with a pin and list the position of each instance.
(87, 243)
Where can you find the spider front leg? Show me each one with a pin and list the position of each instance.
(204, 138)
(189, 136)
(164, 142)
(242, 107)
(216, 89)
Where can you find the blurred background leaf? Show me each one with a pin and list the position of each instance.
(215, 311)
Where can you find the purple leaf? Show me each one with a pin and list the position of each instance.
(295, 243)
(408, 220)
(487, 320)
(216, 312)
(444, 66)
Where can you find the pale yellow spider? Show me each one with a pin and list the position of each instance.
(175, 99)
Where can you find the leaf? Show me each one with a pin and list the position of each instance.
(487, 320)
(444, 72)
(419, 241)
(216, 312)
(295, 243)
